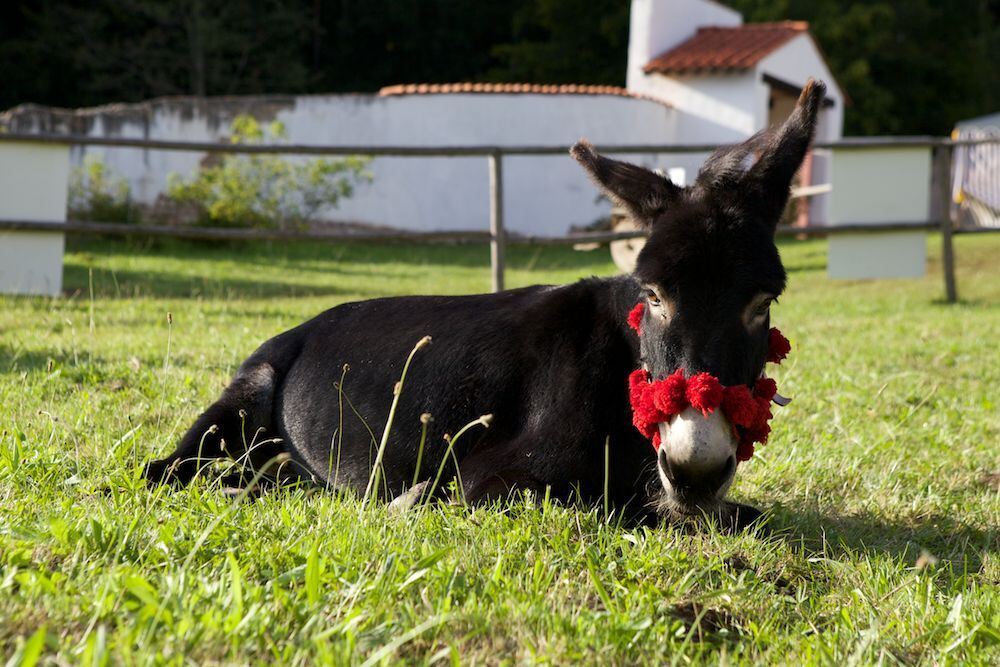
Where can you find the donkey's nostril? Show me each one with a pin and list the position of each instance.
(673, 473)
(696, 482)
(723, 473)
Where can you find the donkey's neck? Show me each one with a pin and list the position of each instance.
(623, 293)
(613, 299)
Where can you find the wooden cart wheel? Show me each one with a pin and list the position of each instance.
(625, 252)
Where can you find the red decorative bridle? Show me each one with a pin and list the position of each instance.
(748, 409)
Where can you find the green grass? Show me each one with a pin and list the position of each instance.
(881, 479)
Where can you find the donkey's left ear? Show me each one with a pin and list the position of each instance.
(644, 193)
(770, 179)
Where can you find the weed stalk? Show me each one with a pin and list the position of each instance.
(396, 393)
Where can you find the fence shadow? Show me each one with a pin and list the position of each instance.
(127, 283)
(14, 358)
(273, 269)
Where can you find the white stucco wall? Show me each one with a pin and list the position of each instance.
(727, 101)
(543, 195)
(656, 26)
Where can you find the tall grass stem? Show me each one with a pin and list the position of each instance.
(396, 393)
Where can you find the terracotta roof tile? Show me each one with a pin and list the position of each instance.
(715, 48)
(511, 88)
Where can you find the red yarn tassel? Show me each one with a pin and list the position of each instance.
(635, 317)
(704, 391)
(778, 346)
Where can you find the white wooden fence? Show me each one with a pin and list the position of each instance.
(887, 193)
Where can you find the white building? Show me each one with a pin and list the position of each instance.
(696, 74)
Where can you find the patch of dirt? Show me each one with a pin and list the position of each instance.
(780, 583)
(704, 620)
(991, 480)
(22, 623)
(737, 563)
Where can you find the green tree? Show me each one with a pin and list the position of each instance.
(75, 52)
(362, 45)
(566, 41)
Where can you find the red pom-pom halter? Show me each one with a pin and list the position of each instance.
(704, 392)
(748, 410)
(670, 396)
(641, 398)
(739, 406)
(778, 346)
(765, 387)
(635, 317)
(659, 401)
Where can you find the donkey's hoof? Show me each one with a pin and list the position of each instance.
(166, 471)
(156, 472)
(744, 517)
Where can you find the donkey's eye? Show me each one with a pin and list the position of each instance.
(757, 310)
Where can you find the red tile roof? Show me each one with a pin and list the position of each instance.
(714, 48)
(511, 88)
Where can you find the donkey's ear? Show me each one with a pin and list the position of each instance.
(644, 193)
(770, 179)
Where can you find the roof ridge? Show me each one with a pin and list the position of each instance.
(469, 87)
(760, 25)
(481, 86)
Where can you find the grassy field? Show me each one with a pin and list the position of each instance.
(881, 482)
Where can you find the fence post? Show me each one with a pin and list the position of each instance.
(497, 233)
(947, 245)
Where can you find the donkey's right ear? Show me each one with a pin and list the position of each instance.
(644, 193)
(782, 153)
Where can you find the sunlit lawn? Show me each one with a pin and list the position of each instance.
(881, 481)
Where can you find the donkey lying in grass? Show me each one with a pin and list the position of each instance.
(551, 365)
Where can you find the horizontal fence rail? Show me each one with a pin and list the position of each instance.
(458, 237)
(453, 151)
(497, 236)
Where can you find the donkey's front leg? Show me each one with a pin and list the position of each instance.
(482, 482)
(497, 485)
(737, 517)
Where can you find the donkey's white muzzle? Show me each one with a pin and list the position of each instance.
(697, 456)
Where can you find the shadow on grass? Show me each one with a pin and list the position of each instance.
(15, 359)
(827, 535)
(979, 303)
(125, 284)
(271, 269)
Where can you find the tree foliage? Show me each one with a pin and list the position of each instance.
(84, 52)
(565, 41)
(909, 66)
